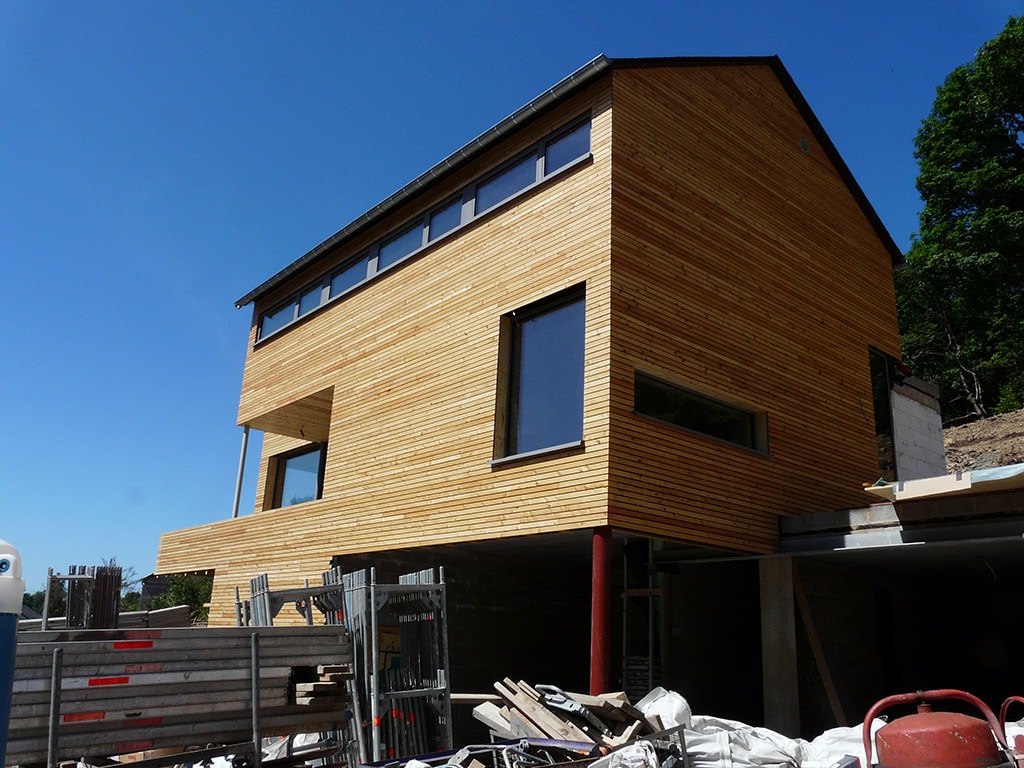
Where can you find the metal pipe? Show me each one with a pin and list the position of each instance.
(600, 613)
(241, 471)
(257, 744)
(56, 676)
(46, 601)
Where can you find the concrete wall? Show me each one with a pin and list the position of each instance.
(917, 430)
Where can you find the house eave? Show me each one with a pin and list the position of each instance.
(575, 82)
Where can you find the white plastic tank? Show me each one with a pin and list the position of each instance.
(12, 590)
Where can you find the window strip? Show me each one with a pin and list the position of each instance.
(552, 155)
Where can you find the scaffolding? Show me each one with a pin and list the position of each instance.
(400, 691)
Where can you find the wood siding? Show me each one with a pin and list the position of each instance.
(412, 360)
(717, 254)
(744, 269)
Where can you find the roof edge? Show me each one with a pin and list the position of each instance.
(574, 82)
(895, 254)
(582, 76)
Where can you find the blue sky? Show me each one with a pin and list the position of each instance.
(160, 159)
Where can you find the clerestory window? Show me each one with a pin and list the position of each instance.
(536, 165)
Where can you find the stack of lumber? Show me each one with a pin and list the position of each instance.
(608, 720)
(125, 691)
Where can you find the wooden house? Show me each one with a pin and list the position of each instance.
(632, 322)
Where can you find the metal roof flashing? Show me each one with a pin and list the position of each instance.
(582, 77)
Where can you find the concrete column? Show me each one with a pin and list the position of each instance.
(778, 647)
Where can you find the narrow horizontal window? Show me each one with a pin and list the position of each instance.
(399, 247)
(690, 410)
(276, 320)
(561, 151)
(552, 154)
(310, 300)
(348, 276)
(444, 220)
(501, 187)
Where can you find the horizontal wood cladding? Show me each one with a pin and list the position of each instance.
(721, 251)
(743, 268)
(411, 360)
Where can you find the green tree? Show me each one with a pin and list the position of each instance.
(58, 599)
(182, 589)
(961, 293)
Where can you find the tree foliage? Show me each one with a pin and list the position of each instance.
(961, 293)
(183, 589)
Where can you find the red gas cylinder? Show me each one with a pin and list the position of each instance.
(932, 739)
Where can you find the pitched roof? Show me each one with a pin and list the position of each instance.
(575, 82)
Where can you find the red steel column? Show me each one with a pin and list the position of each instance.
(600, 612)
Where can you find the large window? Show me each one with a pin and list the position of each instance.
(690, 410)
(299, 475)
(557, 152)
(545, 374)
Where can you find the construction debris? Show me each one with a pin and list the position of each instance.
(548, 712)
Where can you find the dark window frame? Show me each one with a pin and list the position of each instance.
(507, 446)
(280, 468)
(758, 420)
(468, 215)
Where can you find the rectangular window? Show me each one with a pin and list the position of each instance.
(501, 187)
(310, 300)
(349, 276)
(545, 380)
(276, 320)
(399, 247)
(537, 164)
(690, 410)
(561, 151)
(300, 476)
(444, 220)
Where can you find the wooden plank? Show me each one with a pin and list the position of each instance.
(526, 700)
(606, 708)
(488, 713)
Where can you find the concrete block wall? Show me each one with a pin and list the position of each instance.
(917, 430)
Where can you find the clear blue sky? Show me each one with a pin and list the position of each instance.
(160, 159)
